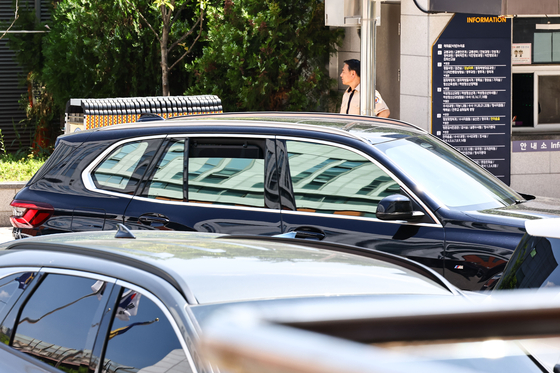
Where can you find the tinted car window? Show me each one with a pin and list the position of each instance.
(333, 180)
(11, 287)
(167, 182)
(124, 167)
(227, 173)
(59, 322)
(534, 264)
(141, 337)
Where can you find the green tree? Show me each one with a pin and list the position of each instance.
(99, 48)
(173, 32)
(267, 55)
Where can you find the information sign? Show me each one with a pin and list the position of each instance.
(471, 90)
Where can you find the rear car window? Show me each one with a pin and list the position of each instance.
(124, 167)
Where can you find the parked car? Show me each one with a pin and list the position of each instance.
(534, 263)
(376, 183)
(122, 302)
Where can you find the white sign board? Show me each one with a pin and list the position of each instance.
(521, 54)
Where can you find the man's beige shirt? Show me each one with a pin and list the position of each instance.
(380, 104)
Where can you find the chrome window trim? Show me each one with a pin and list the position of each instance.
(383, 168)
(77, 273)
(90, 185)
(87, 179)
(210, 205)
(5, 272)
(167, 314)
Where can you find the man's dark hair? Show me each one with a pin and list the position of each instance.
(353, 65)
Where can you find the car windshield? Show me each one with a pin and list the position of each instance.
(446, 175)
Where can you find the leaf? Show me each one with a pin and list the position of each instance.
(166, 3)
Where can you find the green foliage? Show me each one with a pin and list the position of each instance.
(267, 55)
(20, 166)
(19, 169)
(99, 49)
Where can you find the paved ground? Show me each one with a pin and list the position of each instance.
(5, 234)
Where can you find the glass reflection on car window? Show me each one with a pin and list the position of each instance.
(59, 319)
(534, 264)
(227, 181)
(141, 337)
(117, 169)
(11, 288)
(167, 182)
(332, 180)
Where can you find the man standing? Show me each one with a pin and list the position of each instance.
(351, 100)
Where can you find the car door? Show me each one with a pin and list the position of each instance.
(331, 191)
(210, 184)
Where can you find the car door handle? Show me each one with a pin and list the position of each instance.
(310, 233)
(153, 218)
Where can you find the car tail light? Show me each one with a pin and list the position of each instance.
(29, 214)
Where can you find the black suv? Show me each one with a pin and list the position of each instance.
(375, 183)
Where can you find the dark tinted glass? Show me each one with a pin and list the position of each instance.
(11, 287)
(59, 157)
(59, 322)
(167, 181)
(534, 264)
(141, 337)
(226, 172)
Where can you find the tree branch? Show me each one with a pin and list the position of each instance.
(145, 20)
(187, 34)
(16, 16)
(176, 16)
(193, 43)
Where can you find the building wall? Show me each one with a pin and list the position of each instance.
(418, 32)
(536, 173)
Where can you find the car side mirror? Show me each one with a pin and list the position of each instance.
(396, 207)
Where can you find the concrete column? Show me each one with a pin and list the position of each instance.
(418, 32)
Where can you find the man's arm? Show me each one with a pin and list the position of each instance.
(384, 114)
